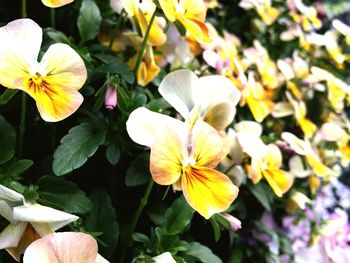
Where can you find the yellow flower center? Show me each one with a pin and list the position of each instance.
(37, 82)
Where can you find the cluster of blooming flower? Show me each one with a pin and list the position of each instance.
(191, 152)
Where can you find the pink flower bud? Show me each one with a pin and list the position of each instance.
(110, 97)
(234, 222)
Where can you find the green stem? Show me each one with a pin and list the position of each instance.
(22, 125)
(53, 17)
(135, 219)
(24, 9)
(144, 43)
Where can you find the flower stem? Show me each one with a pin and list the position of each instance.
(53, 17)
(22, 125)
(24, 99)
(24, 9)
(144, 43)
(135, 219)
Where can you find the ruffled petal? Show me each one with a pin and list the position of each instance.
(19, 49)
(64, 66)
(54, 101)
(56, 3)
(177, 89)
(168, 155)
(143, 125)
(208, 191)
(62, 247)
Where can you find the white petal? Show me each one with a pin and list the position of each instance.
(143, 125)
(6, 212)
(166, 257)
(11, 197)
(215, 89)
(42, 214)
(282, 109)
(252, 128)
(11, 235)
(117, 6)
(297, 168)
(100, 259)
(177, 89)
(19, 48)
(299, 146)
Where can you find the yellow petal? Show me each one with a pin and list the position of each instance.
(168, 7)
(260, 108)
(318, 167)
(130, 6)
(308, 127)
(56, 3)
(207, 145)
(208, 191)
(167, 156)
(54, 101)
(279, 180)
(273, 156)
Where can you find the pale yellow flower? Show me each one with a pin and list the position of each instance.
(54, 82)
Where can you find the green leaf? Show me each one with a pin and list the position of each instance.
(201, 253)
(216, 229)
(64, 195)
(178, 216)
(7, 141)
(262, 194)
(138, 171)
(16, 168)
(58, 36)
(102, 218)
(141, 238)
(113, 153)
(7, 95)
(158, 105)
(236, 256)
(76, 147)
(89, 20)
(118, 67)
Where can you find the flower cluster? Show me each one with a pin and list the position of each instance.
(239, 107)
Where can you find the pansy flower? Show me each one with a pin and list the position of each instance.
(67, 247)
(143, 12)
(148, 68)
(54, 82)
(185, 158)
(211, 98)
(266, 160)
(56, 3)
(264, 8)
(190, 13)
(28, 221)
(304, 148)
